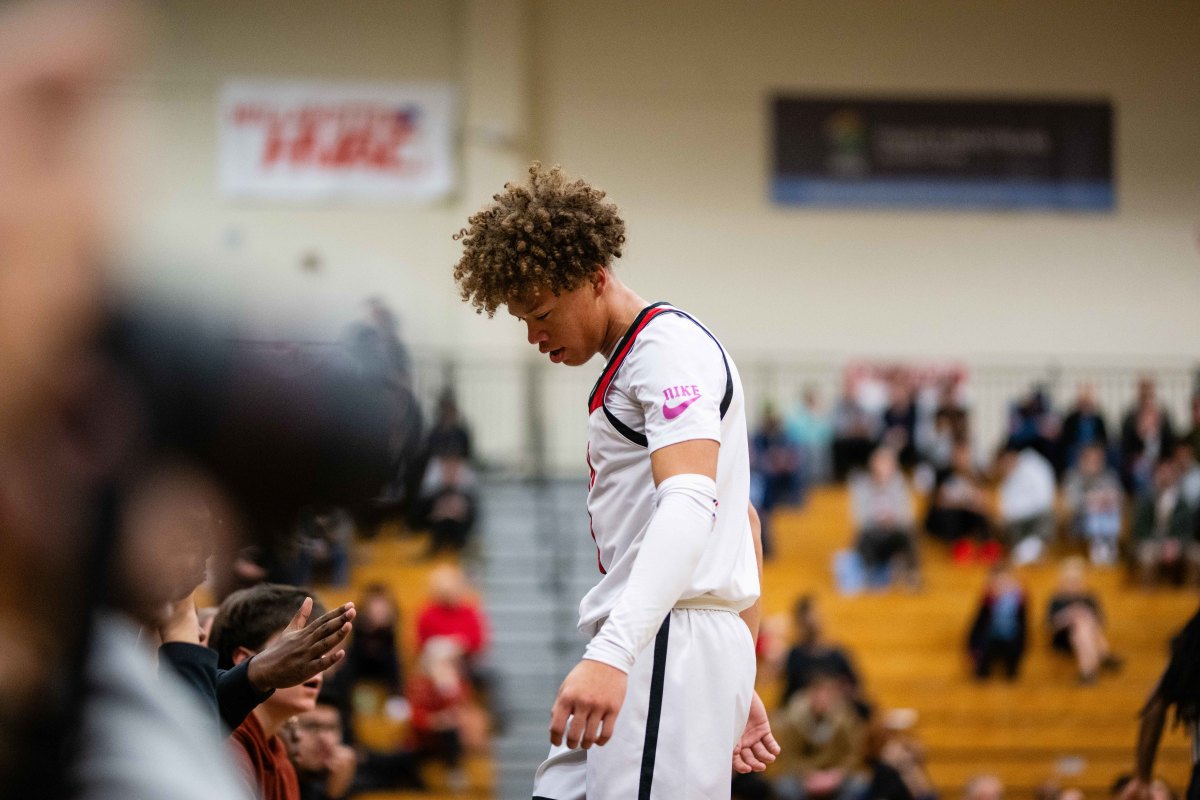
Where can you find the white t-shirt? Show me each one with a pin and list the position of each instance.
(668, 381)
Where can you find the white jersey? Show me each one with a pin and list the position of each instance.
(668, 381)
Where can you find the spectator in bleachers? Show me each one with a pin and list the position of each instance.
(855, 432)
(1001, 624)
(1027, 495)
(1083, 427)
(1189, 475)
(1146, 435)
(447, 506)
(900, 419)
(1076, 623)
(907, 756)
(810, 428)
(1033, 423)
(438, 693)
(451, 611)
(950, 424)
(1193, 435)
(821, 736)
(321, 547)
(1163, 534)
(813, 655)
(325, 765)
(883, 517)
(885, 781)
(1094, 499)
(373, 653)
(957, 508)
(449, 435)
(776, 473)
(984, 787)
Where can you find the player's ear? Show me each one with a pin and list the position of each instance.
(600, 278)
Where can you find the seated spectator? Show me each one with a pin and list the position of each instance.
(855, 433)
(249, 621)
(1084, 427)
(321, 546)
(957, 509)
(900, 420)
(1163, 536)
(447, 506)
(1193, 435)
(438, 693)
(776, 472)
(1033, 423)
(1027, 493)
(883, 516)
(452, 612)
(884, 780)
(373, 653)
(984, 787)
(907, 756)
(812, 655)
(1146, 435)
(1077, 625)
(1094, 500)
(821, 739)
(1001, 625)
(809, 427)
(1189, 475)
(950, 424)
(325, 766)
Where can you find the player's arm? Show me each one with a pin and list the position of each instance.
(752, 616)
(757, 748)
(671, 548)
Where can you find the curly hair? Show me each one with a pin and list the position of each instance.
(549, 234)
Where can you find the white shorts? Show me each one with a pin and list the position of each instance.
(685, 708)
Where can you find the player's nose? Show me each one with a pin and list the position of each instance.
(537, 335)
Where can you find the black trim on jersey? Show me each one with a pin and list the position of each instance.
(654, 715)
(640, 438)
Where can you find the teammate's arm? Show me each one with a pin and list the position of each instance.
(685, 502)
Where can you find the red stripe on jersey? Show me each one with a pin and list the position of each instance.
(611, 370)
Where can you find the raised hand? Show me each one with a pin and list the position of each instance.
(304, 649)
(757, 747)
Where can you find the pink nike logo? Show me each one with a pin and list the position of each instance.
(671, 412)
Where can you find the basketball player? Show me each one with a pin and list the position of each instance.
(665, 690)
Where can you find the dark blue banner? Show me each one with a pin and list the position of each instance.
(887, 153)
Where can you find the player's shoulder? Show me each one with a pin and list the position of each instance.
(675, 326)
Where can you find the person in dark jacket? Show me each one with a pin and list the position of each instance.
(1001, 625)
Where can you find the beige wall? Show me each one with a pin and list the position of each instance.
(665, 105)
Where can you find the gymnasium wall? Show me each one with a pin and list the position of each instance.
(665, 104)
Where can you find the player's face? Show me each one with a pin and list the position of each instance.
(567, 327)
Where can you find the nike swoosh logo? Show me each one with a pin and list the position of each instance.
(671, 412)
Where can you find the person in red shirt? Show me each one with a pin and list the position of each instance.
(452, 612)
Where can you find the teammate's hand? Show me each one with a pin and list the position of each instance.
(757, 747)
(591, 696)
(303, 650)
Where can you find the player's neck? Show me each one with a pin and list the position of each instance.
(623, 307)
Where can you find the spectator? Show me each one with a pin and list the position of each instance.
(984, 787)
(809, 427)
(1001, 625)
(249, 621)
(776, 472)
(438, 693)
(452, 613)
(951, 424)
(373, 654)
(1083, 427)
(1163, 536)
(1094, 500)
(1027, 493)
(907, 757)
(1146, 435)
(1076, 623)
(821, 740)
(885, 780)
(325, 766)
(957, 510)
(855, 432)
(322, 544)
(1193, 435)
(1189, 475)
(1033, 423)
(812, 655)
(449, 435)
(883, 516)
(448, 506)
(900, 420)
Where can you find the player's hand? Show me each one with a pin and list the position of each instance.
(305, 648)
(757, 747)
(591, 696)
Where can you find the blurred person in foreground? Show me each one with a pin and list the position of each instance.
(678, 549)
(1094, 499)
(1001, 626)
(1076, 623)
(1178, 688)
(881, 507)
(1027, 495)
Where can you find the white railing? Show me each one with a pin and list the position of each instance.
(528, 414)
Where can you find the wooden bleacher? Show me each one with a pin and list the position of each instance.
(909, 649)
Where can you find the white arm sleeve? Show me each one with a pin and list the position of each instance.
(670, 550)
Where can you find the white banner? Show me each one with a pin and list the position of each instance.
(317, 141)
